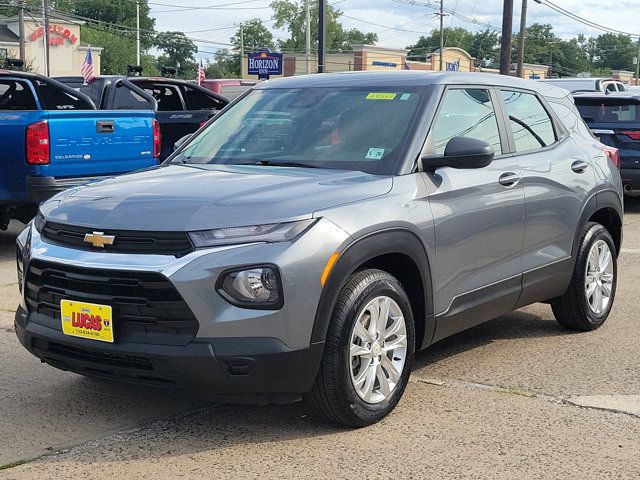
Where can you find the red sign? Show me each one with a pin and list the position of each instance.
(60, 35)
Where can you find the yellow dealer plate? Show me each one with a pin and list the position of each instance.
(87, 320)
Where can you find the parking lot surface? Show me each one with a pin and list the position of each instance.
(517, 397)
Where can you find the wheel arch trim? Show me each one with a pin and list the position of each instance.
(393, 240)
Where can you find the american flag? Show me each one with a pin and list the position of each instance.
(87, 68)
(201, 73)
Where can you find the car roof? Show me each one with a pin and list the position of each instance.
(580, 79)
(133, 79)
(410, 78)
(603, 95)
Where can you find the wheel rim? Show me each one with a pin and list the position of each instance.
(378, 349)
(599, 277)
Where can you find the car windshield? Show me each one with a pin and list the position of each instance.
(609, 110)
(339, 128)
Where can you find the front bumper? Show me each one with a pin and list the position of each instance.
(631, 177)
(43, 188)
(260, 370)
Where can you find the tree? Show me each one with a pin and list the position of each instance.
(289, 15)
(255, 36)
(178, 52)
(614, 51)
(225, 65)
(113, 29)
(482, 45)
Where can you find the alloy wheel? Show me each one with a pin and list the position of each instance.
(599, 277)
(378, 349)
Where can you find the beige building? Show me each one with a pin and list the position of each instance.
(67, 52)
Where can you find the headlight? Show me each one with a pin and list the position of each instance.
(39, 221)
(274, 232)
(252, 287)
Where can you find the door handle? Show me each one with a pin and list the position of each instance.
(509, 179)
(579, 166)
(105, 126)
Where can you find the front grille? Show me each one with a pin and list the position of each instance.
(126, 241)
(146, 307)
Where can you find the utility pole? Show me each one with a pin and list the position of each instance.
(137, 32)
(551, 57)
(441, 15)
(505, 40)
(322, 33)
(523, 30)
(45, 14)
(307, 25)
(21, 32)
(638, 62)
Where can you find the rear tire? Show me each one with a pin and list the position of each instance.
(363, 374)
(587, 302)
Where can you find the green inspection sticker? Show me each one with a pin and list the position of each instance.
(381, 96)
(374, 154)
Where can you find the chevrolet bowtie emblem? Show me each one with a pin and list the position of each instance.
(99, 239)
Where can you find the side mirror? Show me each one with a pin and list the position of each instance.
(181, 141)
(460, 152)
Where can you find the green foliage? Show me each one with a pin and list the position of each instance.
(481, 45)
(289, 15)
(225, 65)
(255, 35)
(178, 52)
(614, 51)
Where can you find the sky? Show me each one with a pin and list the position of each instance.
(398, 23)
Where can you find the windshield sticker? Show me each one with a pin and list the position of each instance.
(405, 96)
(374, 154)
(381, 96)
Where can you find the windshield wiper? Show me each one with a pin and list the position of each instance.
(271, 163)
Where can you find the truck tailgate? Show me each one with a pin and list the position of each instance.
(100, 142)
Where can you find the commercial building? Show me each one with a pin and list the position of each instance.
(66, 50)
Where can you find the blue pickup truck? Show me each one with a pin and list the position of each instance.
(53, 138)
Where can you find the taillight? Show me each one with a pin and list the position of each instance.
(202, 124)
(632, 135)
(38, 143)
(613, 154)
(157, 139)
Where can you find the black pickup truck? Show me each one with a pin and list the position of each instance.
(181, 107)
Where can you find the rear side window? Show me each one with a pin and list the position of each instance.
(53, 97)
(16, 95)
(198, 100)
(167, 96)
(608, 110)
(465, 112)
(123, 98)
(530, 123)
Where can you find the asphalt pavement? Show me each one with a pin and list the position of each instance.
(517, 397)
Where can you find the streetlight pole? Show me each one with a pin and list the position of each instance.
(322, 32)
(307, 40)
(441, 15)
(45, 14)
(521, 39)
(137, 32)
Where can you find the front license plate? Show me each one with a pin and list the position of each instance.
(87, 320)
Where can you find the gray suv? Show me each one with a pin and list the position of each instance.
(321, 230)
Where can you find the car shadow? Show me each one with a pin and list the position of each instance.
(518, 324)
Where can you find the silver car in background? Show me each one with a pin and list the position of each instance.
(321, 230)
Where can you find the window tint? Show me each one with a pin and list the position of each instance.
(53, 97)
(466, 112)
(167, 96)
(123, 98)
(530, 123)
(16, 95)
(197, 100)
(233, 91)
(614, 110)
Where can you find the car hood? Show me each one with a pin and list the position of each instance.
(200, 197)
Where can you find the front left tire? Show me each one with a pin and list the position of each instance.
(368, 353)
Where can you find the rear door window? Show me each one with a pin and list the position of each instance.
(466, 112)
(122, 97)
(16, 95)
(608, 110)
(52, 97)
(167, 96)
(530, 123)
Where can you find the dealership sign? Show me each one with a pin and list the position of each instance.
(264, 63)
(57, 35)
